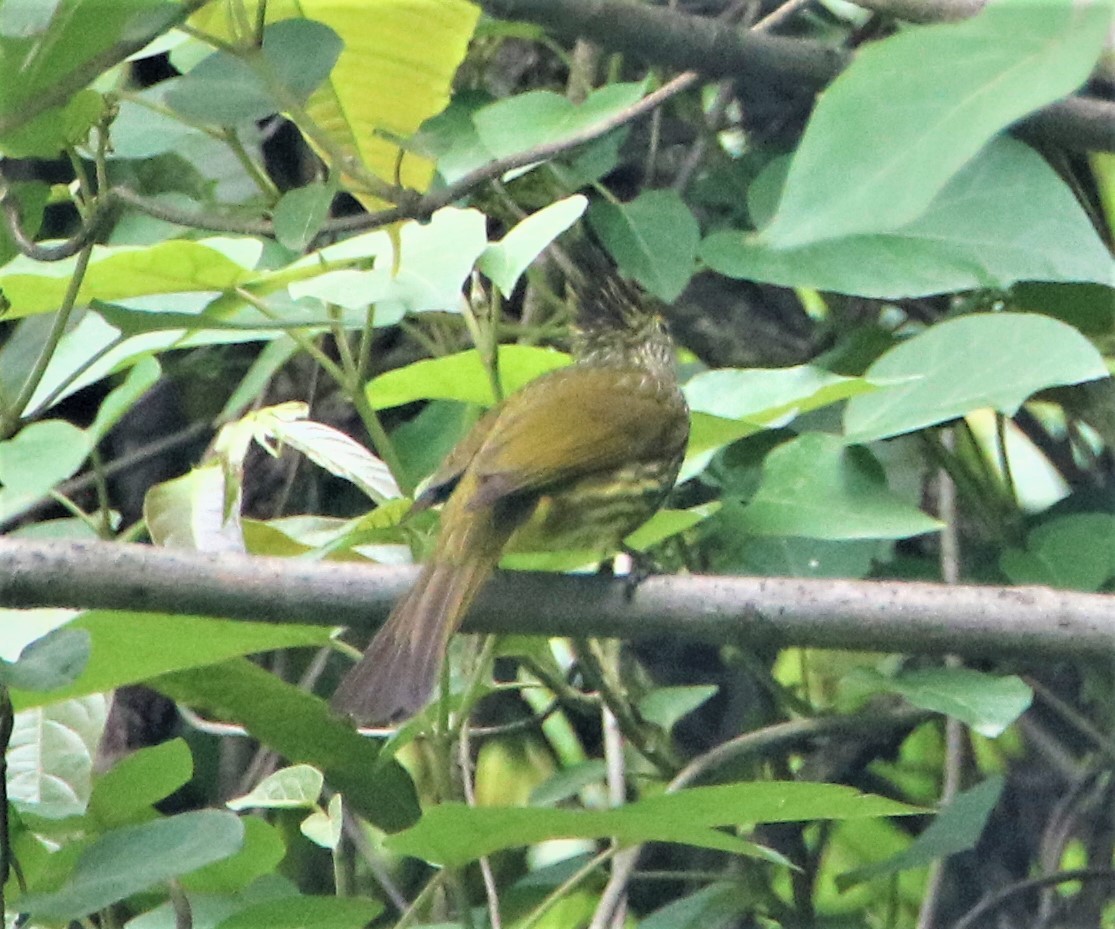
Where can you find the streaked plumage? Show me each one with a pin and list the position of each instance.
(578, 459)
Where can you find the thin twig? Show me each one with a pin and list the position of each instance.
(975, 916)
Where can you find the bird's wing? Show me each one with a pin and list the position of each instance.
(442, 482)
(575, 422)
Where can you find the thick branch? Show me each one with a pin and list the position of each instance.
(1027, 622)
(718, 50)
(655, 34)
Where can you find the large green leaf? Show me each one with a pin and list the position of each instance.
(198, 511)
(300, 727)
(433, 260)
(719, 905)
(735, 551)
(131, 647)
(241, 873)
(119, 272)
(955, 829)
(134, 858)
(396, 70)
(453, 834)
(37, 56)
(505, 261)
(653, 238)
(732, 403)
(462, 376)
(301, 912)
(995, 360)
(987, 703)
(911, 110)
(135, 783)
(816, 486)
(50, 662)
(296, 54)
(537, 117)
(36, 459)
(50, 757)
(1074, 552)
(1005, 217)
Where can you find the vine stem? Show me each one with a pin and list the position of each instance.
(57, 330)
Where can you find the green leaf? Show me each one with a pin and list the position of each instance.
(462, 376)
(505, 261)
(993, 360)
(300, 213)
(337, 453)
(423, 442)
(56, 129)
(134, 858)
(734, 551)
(528, 120)
(324, 827)
(121, 271)
(258, 858)
(653, 238)
(209, 907)
(1075, 552)
(1088, 307)
(816, 486)
(396, 71)
(39, 457)
(955, 829)
(143, 128)
(135, 783)
(720, 905)
(911, 110)
(19, 628)
(434, 259)
(453, 834)
(140, 379)
(665, 706)
(732, 403)
(47, 135)
(296, 55)
(49, 663)
(568, 782)
(987, 703)
(50, 757)
(21, 20)
(131, 647)
(31, 65)
(300, 727)
(968, 238)
(197, 511)
(301, 912)
(297, 787)
(666, 523)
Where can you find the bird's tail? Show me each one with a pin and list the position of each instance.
(397, 673)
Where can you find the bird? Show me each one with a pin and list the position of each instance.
(576, 459)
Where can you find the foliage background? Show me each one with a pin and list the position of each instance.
(236, 258)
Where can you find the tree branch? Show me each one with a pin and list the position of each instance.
(916, 618)
(718, 50)
(654, 34)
